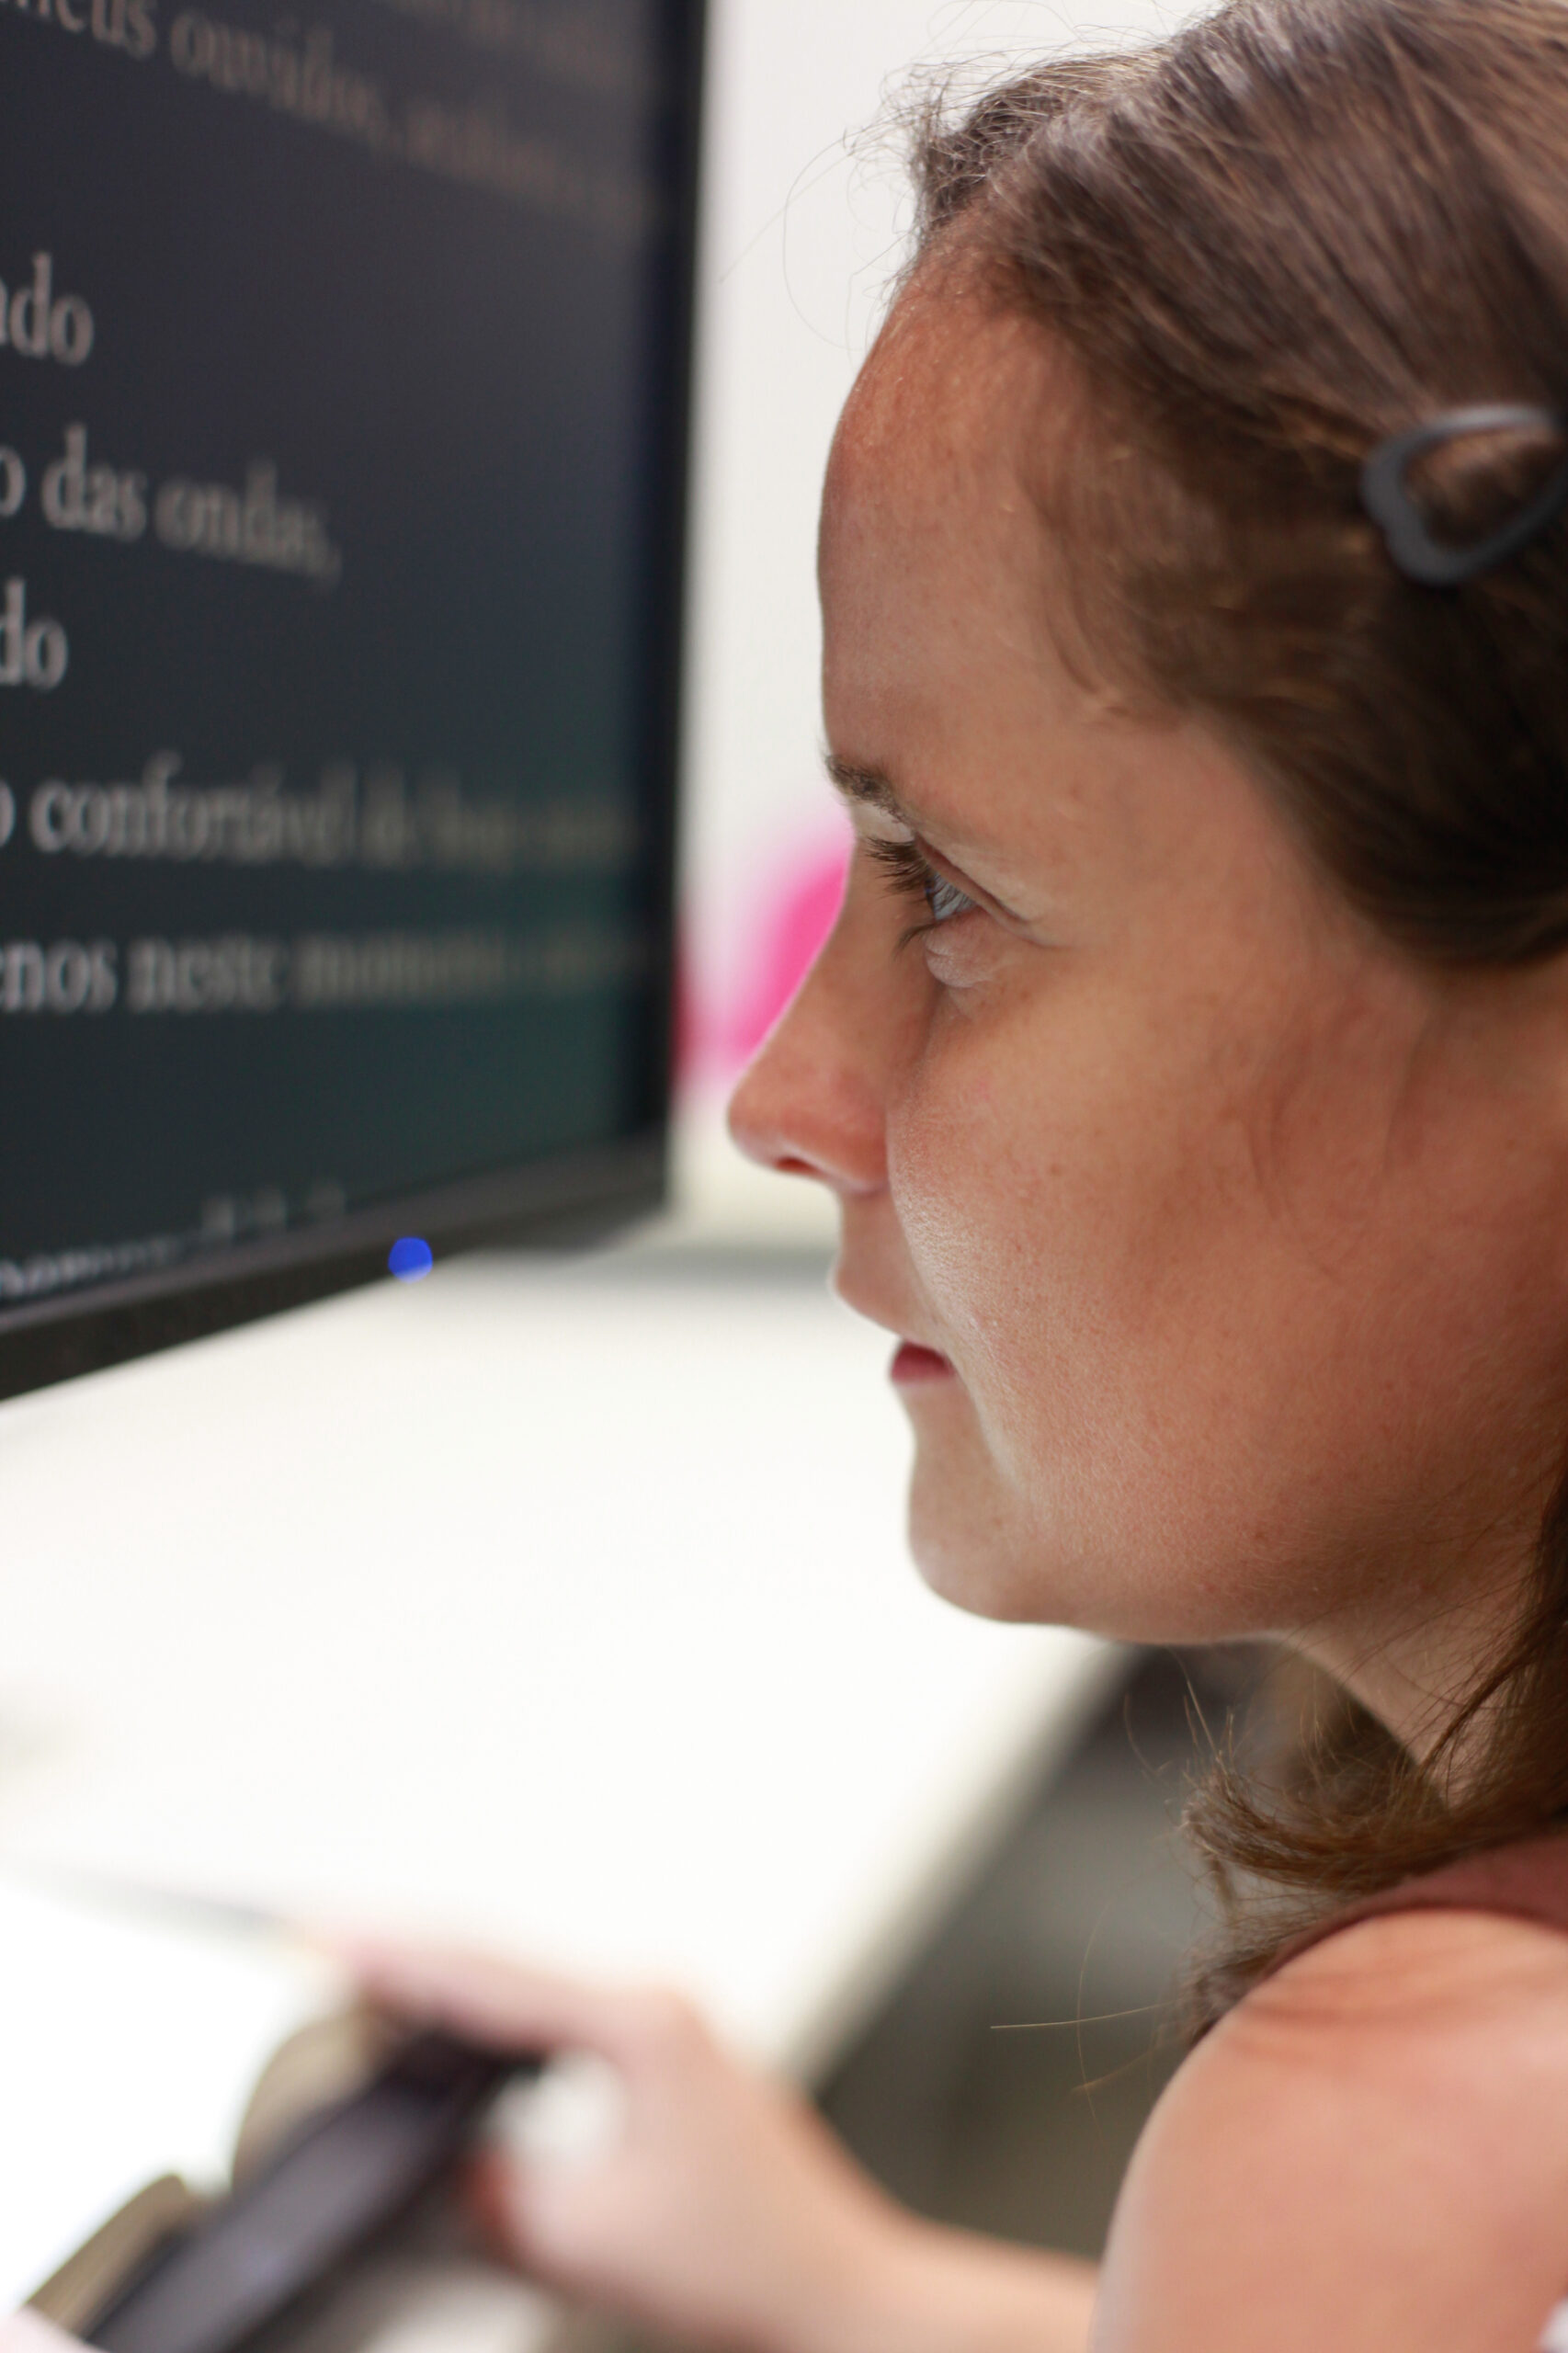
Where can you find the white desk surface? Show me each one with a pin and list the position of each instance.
(561, 1606)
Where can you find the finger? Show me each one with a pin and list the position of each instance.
(492, 2000)
(512, 2209)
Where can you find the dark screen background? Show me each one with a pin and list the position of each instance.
(439, 295)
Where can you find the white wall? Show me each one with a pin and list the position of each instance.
(805, 215)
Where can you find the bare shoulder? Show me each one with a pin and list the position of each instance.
(1372, 2152)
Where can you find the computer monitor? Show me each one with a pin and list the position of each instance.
(344, 369)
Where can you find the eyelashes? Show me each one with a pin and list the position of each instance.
(913, 877)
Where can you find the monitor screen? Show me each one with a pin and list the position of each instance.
(344, 364)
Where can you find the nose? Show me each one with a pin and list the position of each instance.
(813, 1101)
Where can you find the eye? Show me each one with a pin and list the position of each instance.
(913, 875)
(944, 898)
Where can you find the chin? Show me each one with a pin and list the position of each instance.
(967, 1550)
(980, 1545)
(965, 1529)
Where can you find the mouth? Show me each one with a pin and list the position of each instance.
(914, 1366)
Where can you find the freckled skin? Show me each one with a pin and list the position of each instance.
(1242, 1231)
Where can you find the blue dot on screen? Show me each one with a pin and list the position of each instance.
(410, 1259)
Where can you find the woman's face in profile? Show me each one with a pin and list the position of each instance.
(1239, 1236)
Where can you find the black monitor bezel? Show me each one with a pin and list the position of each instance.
(563, 1201)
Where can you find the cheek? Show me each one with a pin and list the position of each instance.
(1091, 1183)
(1190, 1286)
(1040, 1188)
(1032, 1234)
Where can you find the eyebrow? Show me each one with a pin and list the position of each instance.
(866, 786)
(871, 787)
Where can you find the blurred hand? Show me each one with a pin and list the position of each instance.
(723, 2209)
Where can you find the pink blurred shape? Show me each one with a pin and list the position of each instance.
(794, 917)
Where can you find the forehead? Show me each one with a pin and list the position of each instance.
(954, 663)
(943, 579)
(945, 428)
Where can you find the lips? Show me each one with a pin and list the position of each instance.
(914, 1364)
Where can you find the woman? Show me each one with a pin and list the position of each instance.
(1191, 1064)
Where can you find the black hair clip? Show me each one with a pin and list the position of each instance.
(1411, 545)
